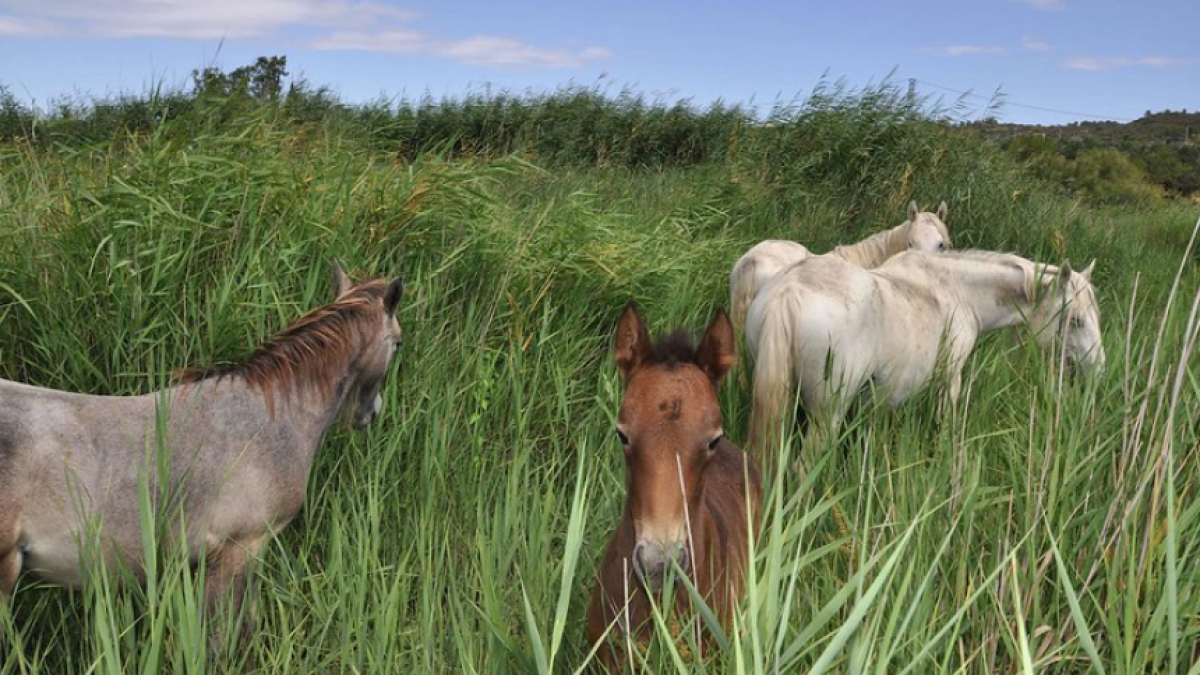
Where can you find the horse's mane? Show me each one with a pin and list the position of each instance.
(876, 248)
(1035, 273)
(873, 250)
(313, 349)
(673, 350)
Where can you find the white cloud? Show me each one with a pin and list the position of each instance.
(480, 50)
(333, 24)
(189, 19)
(1034, 44)
(1094, 63)
(1045, 5)
(963, 50)
(26, 27)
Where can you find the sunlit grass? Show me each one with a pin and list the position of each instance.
(1044, 525)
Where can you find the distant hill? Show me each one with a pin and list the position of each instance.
(1168, 126)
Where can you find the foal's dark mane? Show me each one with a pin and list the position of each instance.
(673, 350)
(315, 347)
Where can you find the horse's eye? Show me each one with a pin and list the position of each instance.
(941, 246)
(712, 445)
(623, 438)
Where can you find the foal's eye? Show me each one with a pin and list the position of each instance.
(712, 445)
(941, 246)
(623, 438)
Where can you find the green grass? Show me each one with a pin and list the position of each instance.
(1045, 526)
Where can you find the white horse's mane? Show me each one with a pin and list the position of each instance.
(880, 246)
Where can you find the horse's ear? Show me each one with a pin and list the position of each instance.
(341, 283)
(1064, 272)
(942, 210)
(632, 342)
(393, 295)
(1087, 271)
(912, 211)
(718, 347)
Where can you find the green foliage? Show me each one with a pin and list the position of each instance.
(1044, 524)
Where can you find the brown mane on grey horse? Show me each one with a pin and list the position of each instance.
(214, 451)
(312, 349)
(692, 495)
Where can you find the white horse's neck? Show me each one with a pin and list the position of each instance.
(872, 251)
(998, 288)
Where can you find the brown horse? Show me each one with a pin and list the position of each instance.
(689, 488)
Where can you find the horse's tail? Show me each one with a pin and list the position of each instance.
(742, 291)
(774, 372)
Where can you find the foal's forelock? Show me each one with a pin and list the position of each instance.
(313, 352)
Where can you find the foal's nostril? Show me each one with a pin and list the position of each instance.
(640, 564)
(684, 558)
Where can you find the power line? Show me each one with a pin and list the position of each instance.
(1023, 105)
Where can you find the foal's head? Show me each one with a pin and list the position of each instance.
(927, 231)
(1069, 316)
(379, 341)
(670, 427)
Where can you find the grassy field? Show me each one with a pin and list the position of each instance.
(1045, 526)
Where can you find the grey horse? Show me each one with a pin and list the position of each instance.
(226, 451)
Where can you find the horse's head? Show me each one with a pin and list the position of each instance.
(670, 427)
(927, 231)
(1070, 316)
(379, 342)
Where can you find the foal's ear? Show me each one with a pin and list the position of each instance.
(393, 295)
(632, 345)
(912, 211)
(718, 348)
(341, 283)
(941, 212)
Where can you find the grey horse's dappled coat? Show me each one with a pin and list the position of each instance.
(224, 455)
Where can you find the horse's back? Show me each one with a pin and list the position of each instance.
(67, 459)
(755, 269)
(819, 297)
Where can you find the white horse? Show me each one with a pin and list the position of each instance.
(830, 327)
(923, 231)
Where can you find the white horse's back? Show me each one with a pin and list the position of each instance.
(922, 231)
(754, 269)
(826, 327)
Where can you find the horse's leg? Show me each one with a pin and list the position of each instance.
(10, 567)
(227, 585)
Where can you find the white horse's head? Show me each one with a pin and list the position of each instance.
(1069, 316)
(927, 231)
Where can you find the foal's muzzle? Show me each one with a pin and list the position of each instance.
(652, 560)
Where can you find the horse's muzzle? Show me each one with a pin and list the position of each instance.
(652, 560)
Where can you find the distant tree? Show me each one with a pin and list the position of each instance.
(262, 80)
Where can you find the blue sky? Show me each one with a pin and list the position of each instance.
(1101, 59)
